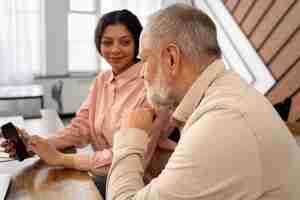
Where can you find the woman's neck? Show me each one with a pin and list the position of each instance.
(118, 72)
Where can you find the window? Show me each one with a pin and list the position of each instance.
(140, 8)
(237, 50)
(143, 8)
(70, 29)
(85, 6)
(82, 54)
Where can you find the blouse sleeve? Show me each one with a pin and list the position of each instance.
(97, 163)
(77, 133)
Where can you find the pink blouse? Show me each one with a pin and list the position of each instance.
(99, 117)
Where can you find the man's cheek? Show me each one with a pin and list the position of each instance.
(151, 72)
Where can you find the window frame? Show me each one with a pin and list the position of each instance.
(96, 13)
(238, 48)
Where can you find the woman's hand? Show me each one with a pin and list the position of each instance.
(45, 150)
(10, 148)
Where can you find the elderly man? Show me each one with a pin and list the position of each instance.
(233, 144)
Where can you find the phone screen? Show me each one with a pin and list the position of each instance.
(10, 132)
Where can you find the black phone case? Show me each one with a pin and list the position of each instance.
(10, 132)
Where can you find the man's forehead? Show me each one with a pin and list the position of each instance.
(145, 43)
(145, 39)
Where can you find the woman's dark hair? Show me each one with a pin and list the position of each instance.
(124, 17)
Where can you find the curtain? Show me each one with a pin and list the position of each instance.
(20, 39)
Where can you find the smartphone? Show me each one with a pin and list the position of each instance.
(10, 133)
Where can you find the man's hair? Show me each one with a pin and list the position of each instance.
(188, 27)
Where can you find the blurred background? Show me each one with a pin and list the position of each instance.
(49, 44)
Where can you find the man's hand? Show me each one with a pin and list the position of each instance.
(45, 150)
(140, 118)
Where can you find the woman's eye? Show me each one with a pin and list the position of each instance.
(125, 42)
(106, 43)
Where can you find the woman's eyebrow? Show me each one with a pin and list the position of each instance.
(125, 36)
(122, 37)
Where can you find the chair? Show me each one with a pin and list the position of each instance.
(56, 92)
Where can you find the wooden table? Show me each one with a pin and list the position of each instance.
(33, 179)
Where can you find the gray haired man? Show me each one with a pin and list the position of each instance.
(233, 144)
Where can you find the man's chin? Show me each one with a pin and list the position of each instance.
(160, 99)
(160, 105)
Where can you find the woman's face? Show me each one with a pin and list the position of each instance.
(117, 47)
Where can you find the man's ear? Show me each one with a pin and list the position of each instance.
(172, 53)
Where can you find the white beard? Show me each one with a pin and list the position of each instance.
(159, 94)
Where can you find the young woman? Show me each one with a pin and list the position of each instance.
(113, 93)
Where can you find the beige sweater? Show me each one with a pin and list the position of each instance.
(233, 146)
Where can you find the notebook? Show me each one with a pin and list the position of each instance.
(4, 184)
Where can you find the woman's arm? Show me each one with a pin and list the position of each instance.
(98, 163)
(78, 131)
(76, 134)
